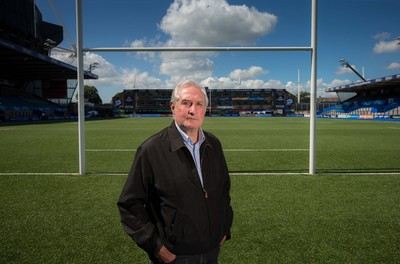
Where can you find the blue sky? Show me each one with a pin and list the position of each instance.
(364, 32)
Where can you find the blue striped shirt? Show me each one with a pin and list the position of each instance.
(194, 149)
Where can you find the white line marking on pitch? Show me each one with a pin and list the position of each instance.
(231, 173)
(39, 173)
(110, 150)
(263, 150)
(227, 150)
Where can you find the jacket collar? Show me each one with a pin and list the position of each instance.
(176, 139)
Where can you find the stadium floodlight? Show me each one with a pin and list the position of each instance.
(346, 64)
(49, 44)
(92, 66)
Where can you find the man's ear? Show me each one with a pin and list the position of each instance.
(172, 106)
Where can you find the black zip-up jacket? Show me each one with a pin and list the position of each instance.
(164, 203)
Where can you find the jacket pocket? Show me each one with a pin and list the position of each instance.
(173, 225)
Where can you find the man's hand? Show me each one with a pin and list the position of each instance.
(165, 256)
(222, 241)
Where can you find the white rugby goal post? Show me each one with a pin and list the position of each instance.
(80, 75)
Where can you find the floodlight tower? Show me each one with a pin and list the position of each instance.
(92, 66)
(346, 64)
(298, 86)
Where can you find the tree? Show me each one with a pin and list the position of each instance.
(91, 95)
(304, 97)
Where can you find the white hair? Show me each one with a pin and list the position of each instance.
(185, 84)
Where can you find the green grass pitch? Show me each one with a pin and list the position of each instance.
(330, 217)
(251, 145)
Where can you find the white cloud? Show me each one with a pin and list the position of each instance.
(382, 35)
(134, 78)
(215, 22)
(337, 82)
(385, 47)
(104, 68)
(207, 23)
(246, 74)
(111, 80)
(229, 83)
(321, 87)
(219, 83)
(186, 65)
(253, 83)
(293, 87)
(147, 56)
(290, 86)
(393, 66)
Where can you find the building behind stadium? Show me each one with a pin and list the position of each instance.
(222, 102)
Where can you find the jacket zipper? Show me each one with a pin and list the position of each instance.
(206, 197)
(202, 184)
(205, 193)
(201, 163)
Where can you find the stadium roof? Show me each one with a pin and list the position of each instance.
(20, 63)
(387, 82)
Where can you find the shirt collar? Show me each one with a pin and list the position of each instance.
(187, 139)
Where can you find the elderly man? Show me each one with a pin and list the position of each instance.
(176, 203)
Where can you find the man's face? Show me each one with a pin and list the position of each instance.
(190, 109)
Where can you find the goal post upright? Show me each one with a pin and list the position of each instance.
(313, 87)
(80, 76)
(81, 93)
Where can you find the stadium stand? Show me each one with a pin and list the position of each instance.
(223, 102)
(375, 98)
(32, 84)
